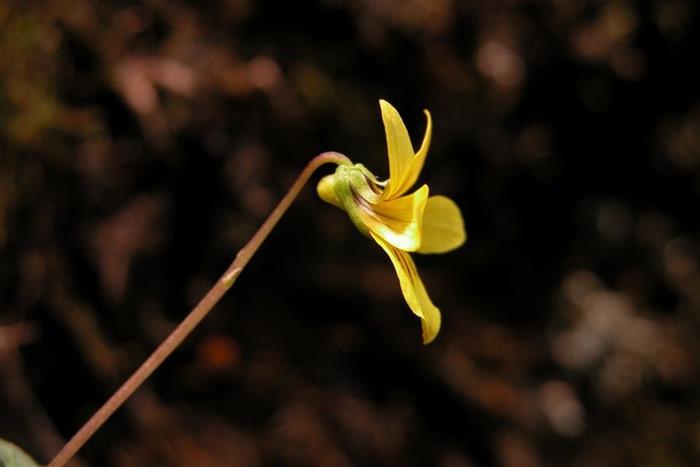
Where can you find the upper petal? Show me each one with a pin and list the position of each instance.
(400, 151)
(398, 221)
(413, 290)
(443, 226)
(419, 159)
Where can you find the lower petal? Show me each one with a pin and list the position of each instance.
(413, 290)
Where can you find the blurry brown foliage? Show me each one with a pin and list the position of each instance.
(141, 143)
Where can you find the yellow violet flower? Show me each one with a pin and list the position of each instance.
(398, 222)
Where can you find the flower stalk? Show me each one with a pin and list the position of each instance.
(196, 315)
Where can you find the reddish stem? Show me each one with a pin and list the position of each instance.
(195, 316)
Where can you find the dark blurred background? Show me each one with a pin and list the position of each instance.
(142, 143)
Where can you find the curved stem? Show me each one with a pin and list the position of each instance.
(195, 316)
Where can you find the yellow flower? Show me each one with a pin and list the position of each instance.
(399, 223)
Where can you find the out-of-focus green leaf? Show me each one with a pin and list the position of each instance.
(12, 456)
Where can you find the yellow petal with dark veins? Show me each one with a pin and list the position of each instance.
(398, 221)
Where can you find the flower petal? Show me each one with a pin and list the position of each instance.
(443, 226)
(398, 221)
(413, 290)
(399, 149)
(417, 163)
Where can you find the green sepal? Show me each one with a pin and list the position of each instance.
(353, 189)
(347, 181)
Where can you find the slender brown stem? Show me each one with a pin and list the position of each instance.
(195, 316)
